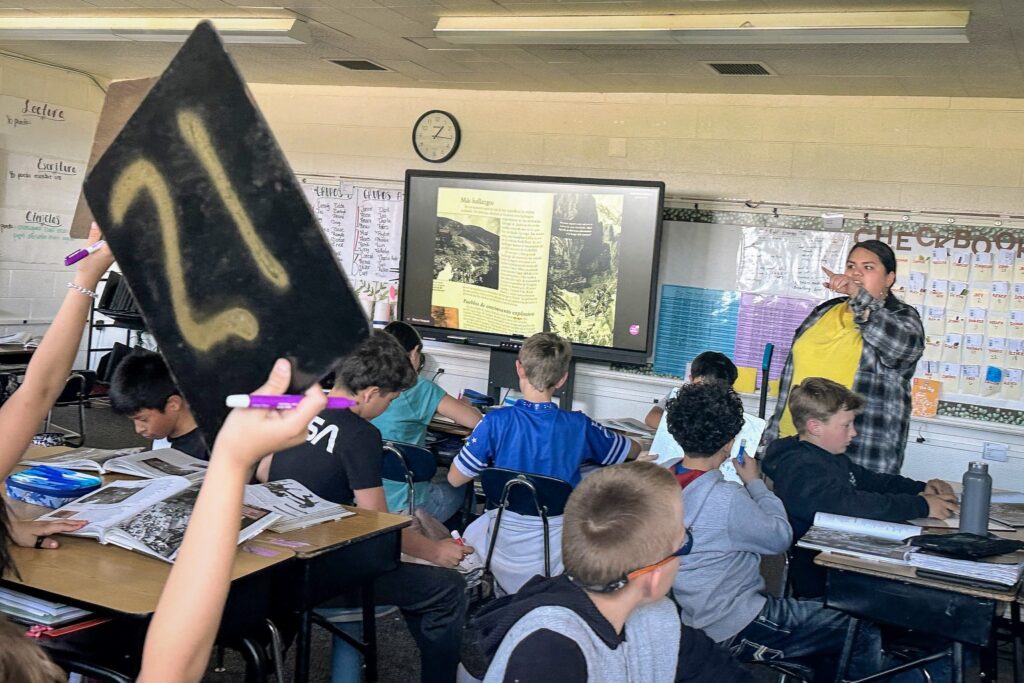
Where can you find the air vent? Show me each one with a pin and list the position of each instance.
(739, 68)
(358, 65)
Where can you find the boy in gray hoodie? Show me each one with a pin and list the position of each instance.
(720, 588)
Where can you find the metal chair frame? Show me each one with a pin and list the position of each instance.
(543, 509)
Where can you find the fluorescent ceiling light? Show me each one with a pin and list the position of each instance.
(931, 26)
(240, 29)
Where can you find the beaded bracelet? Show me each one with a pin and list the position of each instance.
(83, 290)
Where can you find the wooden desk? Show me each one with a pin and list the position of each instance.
(87, 574)
(894, 594)
(331, 559)
(15, 354)
(445, 427)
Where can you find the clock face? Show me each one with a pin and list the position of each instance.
(436, 136)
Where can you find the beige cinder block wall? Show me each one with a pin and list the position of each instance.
(923, 153)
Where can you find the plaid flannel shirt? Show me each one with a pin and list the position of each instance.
(893, 343)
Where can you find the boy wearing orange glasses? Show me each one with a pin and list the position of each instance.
(720, 588)
(607, 618)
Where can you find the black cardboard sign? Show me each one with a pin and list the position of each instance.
(213, 235)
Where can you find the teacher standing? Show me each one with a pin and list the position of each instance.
(866, 340)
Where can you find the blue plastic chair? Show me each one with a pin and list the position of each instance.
(406, 462)
(533, 495)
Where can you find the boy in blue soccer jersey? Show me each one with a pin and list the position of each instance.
(536, 437)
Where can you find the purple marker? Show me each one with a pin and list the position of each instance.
(281, 402)
(76, 256)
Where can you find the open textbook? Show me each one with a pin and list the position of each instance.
(134, 461)
(149, 515)
(888, 542)
(297, 506)
(864, 538)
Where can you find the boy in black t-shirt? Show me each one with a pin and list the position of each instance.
(341, 461)
(142, 388)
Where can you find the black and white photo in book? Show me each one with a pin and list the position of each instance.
(297, 506)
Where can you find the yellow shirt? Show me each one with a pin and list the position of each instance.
(830, 348)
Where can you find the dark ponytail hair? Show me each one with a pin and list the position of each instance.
(885, 255)
(406, 335)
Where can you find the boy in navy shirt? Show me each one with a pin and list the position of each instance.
(537, 437)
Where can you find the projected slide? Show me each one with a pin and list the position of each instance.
(488, 259)
(521, 262)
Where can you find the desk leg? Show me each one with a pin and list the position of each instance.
(302, 644)
(844, 657)
(958, 662)
(369, 633)
(1015, 638)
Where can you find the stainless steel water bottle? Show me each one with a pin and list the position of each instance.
(974, 501)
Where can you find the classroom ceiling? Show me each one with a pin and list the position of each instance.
(398, 34)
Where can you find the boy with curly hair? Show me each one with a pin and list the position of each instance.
(720, 588)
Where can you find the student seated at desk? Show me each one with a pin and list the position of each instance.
(607, 618)
(341, 461)
(20, 416)
(534, 436)
(142, 388)
(185, 623)
(719, 587)
(406, 420)
(709, 366)
(811, 473)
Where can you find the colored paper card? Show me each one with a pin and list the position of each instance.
(1015, 324)
(939, 267)
(979, 295)
(951, 348)
(955, 322)
(995, 351)
(692, 320)
(993, 381)
(766, 318)
(933, 344)
(935, 320)
(1015, 353)
(937, 292)
(928, 369)
(956, 300)
(920, 260)
(924, 397)
(960, 264)
(970, 380)
(1004, 265)
(981, 269)
(211, 231)
(1013, 379)
(977, 321)
(1017, 300)
(997, 324)
(916, 284)
(1018, 269)
(950, 376)
(1000, 299)
(974, 349)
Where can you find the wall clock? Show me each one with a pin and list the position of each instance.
(436, 136)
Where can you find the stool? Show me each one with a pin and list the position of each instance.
(346, 661)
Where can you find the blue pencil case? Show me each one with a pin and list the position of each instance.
(50, 487)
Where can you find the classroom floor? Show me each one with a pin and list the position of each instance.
(399, 661)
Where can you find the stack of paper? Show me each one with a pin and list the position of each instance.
(32, 610)
(1004, 574)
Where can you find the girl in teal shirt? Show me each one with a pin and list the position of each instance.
(406, 420)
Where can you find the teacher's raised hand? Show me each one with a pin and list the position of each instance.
(840, 284)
